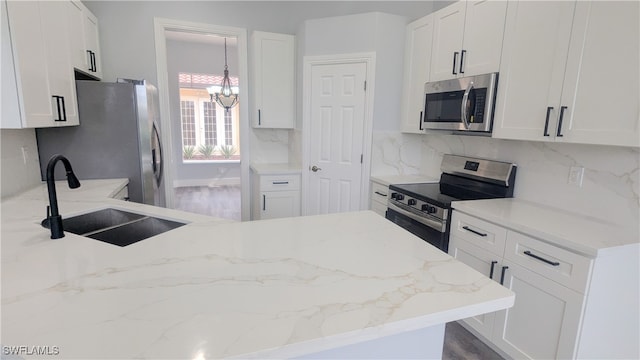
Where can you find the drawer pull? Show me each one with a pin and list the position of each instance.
(280, 182)
(381, 194)
(473, 231)
(504, 270)
(493, 265)
(553, 263)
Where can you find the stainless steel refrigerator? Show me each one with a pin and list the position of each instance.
(118, 137)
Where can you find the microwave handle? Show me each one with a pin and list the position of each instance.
(465, 98)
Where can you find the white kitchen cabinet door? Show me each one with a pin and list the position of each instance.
(43, 67)
(601, 84)
(482, 40)
(75, 16)
(447, 41)
(544, 321)
(417, 62)
(274, 76)
(92, 44)
(484, 262)
(279, 204)
(534, 52)
(62, 78)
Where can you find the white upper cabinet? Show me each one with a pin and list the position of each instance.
(43, 70)
(92, 44)
(467, 39)
(570, 73)
(274, 80)
(84, 39)
(417, 62)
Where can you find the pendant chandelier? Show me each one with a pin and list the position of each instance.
(224, 94)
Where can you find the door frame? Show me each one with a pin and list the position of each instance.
(369, 59)
(160, 26)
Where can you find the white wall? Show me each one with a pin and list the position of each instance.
(16, 174)
(611, 174)
(126, 27)
(371, 32)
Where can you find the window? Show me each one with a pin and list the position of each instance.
(209, 133)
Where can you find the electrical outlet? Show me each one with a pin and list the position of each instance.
(576, 173)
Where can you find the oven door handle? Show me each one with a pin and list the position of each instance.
(434, 224)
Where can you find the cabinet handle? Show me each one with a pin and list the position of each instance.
(546, 122)
(504, 270)
(473, 231)
(94, 68)
(559, 133)
(455, 57)
(57, 98)
(90, 60)
(259, 118)
(264, 202)
(279, 182)
(493, 265)
(420, 123)
(553, 263)
(381, 194)
(64, 110)
(62, 115)
(462, 60)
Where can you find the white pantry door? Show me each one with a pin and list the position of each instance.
(336, 137)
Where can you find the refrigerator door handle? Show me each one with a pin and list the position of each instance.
(156, 154)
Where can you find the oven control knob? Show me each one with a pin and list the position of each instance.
(393, 195)
(425, 207)
(432, 210)
(411, 202)
(399, 196)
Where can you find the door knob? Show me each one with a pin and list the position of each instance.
(315, 168)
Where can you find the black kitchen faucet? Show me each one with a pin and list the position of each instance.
(54, 220)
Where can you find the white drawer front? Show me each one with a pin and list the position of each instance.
(560, 265)
(379, 193)
(479, 232)
(279, 182)
(379, 208)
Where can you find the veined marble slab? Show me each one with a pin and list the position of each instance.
(403, 179)
(275, 168)
(213, 290)
(579, 233)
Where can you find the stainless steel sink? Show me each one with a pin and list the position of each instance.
(118, 227)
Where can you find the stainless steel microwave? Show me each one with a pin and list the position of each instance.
(462, 104)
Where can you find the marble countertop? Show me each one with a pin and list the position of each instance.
(275, 168)
(403, 179)
(213, 289)
(589, 236)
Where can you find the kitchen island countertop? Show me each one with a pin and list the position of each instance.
(211, 289)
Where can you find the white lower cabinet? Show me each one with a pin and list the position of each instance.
(378, 196)
(275, 196)
(567, 305)
(543, 323)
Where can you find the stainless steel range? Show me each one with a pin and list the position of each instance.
(425, 208)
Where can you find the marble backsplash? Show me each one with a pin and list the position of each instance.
(610, 186)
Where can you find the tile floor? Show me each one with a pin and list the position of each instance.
(460, 344)
(220, 201)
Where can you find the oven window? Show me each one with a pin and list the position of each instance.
(432, 236)
(444, 107)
